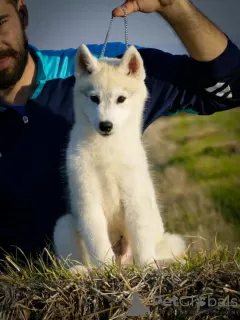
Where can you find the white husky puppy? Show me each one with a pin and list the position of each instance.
(110, 187)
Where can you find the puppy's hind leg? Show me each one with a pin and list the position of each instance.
(69, 245)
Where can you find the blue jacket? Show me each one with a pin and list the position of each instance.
(33, 137)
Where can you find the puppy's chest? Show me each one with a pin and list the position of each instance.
(109, 176)
(110, 186)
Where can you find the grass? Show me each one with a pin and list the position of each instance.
(47, 292)
(208, 150)
(208, 147)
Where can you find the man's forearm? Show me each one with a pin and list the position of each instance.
(203, 40)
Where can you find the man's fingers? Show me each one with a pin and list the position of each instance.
(130, 6)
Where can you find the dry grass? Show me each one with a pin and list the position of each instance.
(48, 292)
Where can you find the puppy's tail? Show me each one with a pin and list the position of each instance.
(171, 247)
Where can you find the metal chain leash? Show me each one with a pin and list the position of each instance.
(109, 29)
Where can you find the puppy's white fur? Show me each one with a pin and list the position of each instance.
(110, 187)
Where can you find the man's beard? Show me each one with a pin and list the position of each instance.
(10, 76)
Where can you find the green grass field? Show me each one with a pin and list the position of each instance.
(209, 150)
(199, 180)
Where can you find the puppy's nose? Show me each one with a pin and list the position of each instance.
(105, 126)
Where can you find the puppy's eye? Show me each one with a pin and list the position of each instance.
(121, 99)
(95, 99)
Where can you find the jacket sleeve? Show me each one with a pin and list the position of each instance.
(179, 83)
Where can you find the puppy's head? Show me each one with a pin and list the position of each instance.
(110, 91)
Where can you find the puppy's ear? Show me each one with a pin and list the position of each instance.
(132, 64)
(85, 62)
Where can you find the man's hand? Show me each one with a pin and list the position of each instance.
(203, 39)
(146, 6)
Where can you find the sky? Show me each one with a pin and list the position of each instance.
(61, 24)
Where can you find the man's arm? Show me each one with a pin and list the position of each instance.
(203, 40)
(180, 83)
(206, 82)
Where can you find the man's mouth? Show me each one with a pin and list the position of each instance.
(4, 62)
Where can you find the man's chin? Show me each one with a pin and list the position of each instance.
(9, 77)
(7, 82)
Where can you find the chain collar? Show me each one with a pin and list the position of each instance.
(109, 29)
